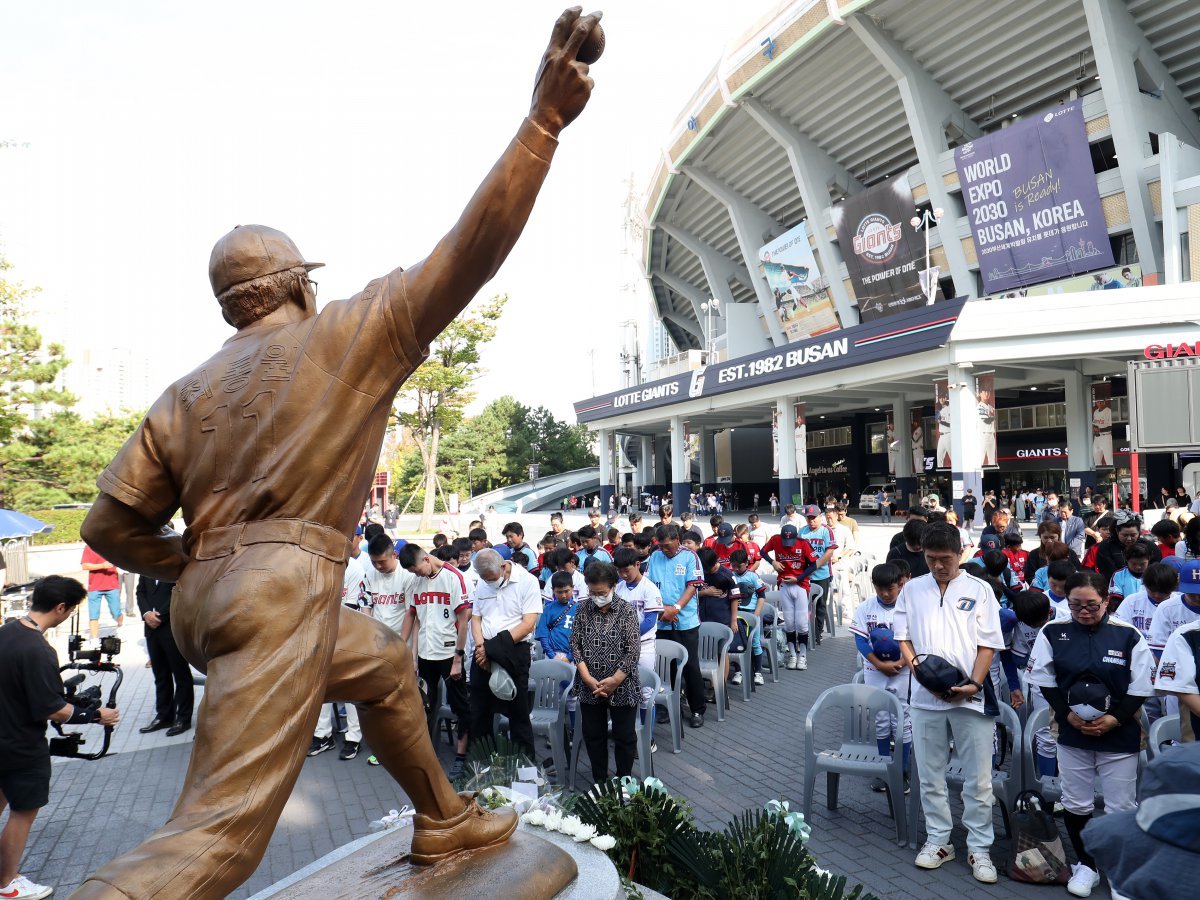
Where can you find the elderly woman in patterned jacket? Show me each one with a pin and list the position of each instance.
(605, 645)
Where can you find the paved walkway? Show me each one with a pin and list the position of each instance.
(100, 809)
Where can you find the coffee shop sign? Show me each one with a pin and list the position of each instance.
(1172, 351)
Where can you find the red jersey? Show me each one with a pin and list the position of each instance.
(753, 553)
(1016, 561)
(794, 559)
(1089, 558)
(1166, 550)
(723, 552)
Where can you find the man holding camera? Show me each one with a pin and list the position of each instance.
(32, 692)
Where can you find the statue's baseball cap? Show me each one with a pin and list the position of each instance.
(252, 251)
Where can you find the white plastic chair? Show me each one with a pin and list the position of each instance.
(815, 593)
(767, 636)
(548, 710)
(858, 753)
(745, 658)
(1165, 728)
(670, 690)
(715, 639)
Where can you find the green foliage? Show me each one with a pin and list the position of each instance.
(492, 762)
(66, 524)
(643, 825)
(757, 857)
(56, 459)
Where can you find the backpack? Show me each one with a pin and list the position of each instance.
(1038, 856)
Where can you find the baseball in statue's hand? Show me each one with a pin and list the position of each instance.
(592, 47)
(562, 87)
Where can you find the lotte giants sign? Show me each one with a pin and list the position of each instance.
(1032, 200)
(883, 255)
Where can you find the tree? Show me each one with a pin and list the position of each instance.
(27, 372)
(433, 398)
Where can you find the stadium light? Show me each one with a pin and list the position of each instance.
(924, 221)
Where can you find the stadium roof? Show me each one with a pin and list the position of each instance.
(995, 61)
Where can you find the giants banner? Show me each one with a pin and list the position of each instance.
(801, 441)
(985, 401)
(801, 293)
(1102, 441)
(1031, 197)
(941, 412)
(883, 254)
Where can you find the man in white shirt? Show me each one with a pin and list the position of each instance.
(951, 614)
(440, 609)
(385, 582)
(508, 603)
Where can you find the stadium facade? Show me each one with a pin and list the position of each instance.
(916, 242)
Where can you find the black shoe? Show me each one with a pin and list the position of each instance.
(349, 749)
(320, 745)
(456, 770)
(878, 785)
(661, 716)
(180, 726)
(156, 725)
(697, 720)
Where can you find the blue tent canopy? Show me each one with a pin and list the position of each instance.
(16, 525)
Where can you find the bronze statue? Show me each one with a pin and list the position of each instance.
(269, 448)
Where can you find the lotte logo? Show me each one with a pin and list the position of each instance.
(877, 239)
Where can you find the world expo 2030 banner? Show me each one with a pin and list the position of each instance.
(1031, 197)
(884, 257)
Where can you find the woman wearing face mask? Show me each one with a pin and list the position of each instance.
(605, 645)
(1095, 674)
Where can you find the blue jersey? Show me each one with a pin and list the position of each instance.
(751, 588)
(554, 628)
(584, 557)
(820, 539)
(1124, 583)
(672, 575)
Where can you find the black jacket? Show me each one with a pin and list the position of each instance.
(154, 596)
(1111, 555)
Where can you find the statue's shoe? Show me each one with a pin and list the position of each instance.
(473, 828)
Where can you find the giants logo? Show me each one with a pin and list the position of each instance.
(1166, 670)
(1171, 351)
(877, 239)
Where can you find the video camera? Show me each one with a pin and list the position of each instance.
(90, 697)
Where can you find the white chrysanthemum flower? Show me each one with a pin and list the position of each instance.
(584, 833)
(603, 842)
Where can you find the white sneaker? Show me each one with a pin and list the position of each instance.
(933, 855)
(791, 660)
(802, 662)
(758, 678)
(736, 678)
(21, 888)
(1082, 880)
(982, 867)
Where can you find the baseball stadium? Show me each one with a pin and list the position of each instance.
(917, 244)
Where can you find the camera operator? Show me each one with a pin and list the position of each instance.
(31, 692)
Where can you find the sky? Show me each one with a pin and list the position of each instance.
(146, 130)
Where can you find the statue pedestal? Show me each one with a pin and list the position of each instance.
(534, 865)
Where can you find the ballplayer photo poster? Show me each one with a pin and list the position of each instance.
(941, 412)
(985, 401)
(801, 440)
(800, 291)
(1102, 442)
(883, 254)
(775, 442)
(893, 445)
(916, 429)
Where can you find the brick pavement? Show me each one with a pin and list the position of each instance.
(100, 809)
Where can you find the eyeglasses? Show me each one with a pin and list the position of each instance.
(1080, 607)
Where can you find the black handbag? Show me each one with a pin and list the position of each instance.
(1038, 856)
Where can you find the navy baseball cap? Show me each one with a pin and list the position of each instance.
(725, 534)
(788, 535)
(990, 542)
(812, 511)
(1088, 697)
(884, 645)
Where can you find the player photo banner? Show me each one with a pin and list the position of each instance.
(941, 413)
(1102, 440)
(775, 442)
(883, 254)
(916, 432)
(893, 445)
(801, 440)
(1031, 197)
(801, 293)
(985, 400)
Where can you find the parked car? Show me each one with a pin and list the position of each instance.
(867, 500)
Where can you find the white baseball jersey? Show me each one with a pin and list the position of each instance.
(953, 624)
(1170, 615)
(1177, 667)
(436, 602)
(1102, 419)
(944, 419)
(353, 592)
(869, 614)
(1138, 610)
(645, 598)
(580, 587)
(385, 593)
